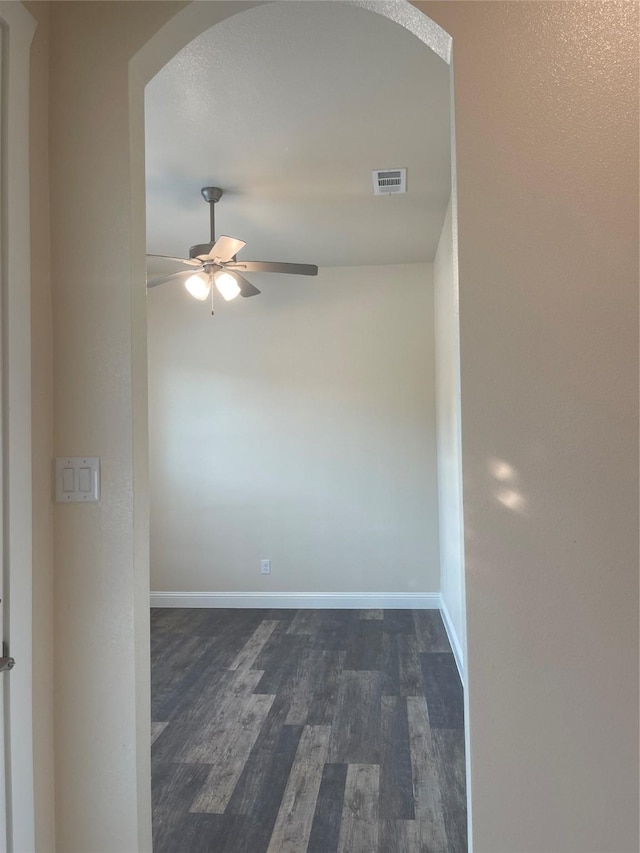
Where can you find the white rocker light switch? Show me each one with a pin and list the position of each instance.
(77, 479)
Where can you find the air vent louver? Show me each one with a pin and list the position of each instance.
(386, 181)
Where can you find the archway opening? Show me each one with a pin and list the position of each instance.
(446, 304)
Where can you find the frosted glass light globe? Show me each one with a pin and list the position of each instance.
(227, 285)
(198, 286)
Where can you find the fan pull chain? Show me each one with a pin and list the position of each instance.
(212, 312)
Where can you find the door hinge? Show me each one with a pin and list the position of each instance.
(6, 663)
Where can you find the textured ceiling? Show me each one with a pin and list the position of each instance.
(288, 107)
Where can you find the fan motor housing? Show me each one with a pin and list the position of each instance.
(200, 249)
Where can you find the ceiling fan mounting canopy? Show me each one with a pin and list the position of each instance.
(217, 261)
(211, 194)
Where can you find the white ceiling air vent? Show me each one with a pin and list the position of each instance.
(386, 181)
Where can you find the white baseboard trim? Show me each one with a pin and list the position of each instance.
(453, 637)
(329, 600)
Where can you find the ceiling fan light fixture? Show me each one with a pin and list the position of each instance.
(227, 285)
(198, 286)
(214, 257)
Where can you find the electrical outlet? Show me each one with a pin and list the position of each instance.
(265, 567)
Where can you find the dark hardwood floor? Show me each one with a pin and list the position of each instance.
(306, 731)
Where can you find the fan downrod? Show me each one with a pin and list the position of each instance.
(211, 195)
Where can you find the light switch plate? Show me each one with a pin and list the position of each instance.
(77, 479)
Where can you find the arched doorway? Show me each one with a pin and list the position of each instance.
(179, 32)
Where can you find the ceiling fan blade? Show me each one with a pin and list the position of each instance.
(164, 278)
(246, 288)
(272, 266)
(225, 248)
(189, 261)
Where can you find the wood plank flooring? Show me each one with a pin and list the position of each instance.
(306, 731)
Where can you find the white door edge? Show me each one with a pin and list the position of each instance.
(18, 28)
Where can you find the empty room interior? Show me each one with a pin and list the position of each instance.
(303, 430)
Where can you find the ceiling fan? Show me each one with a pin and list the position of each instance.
(216, 263)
